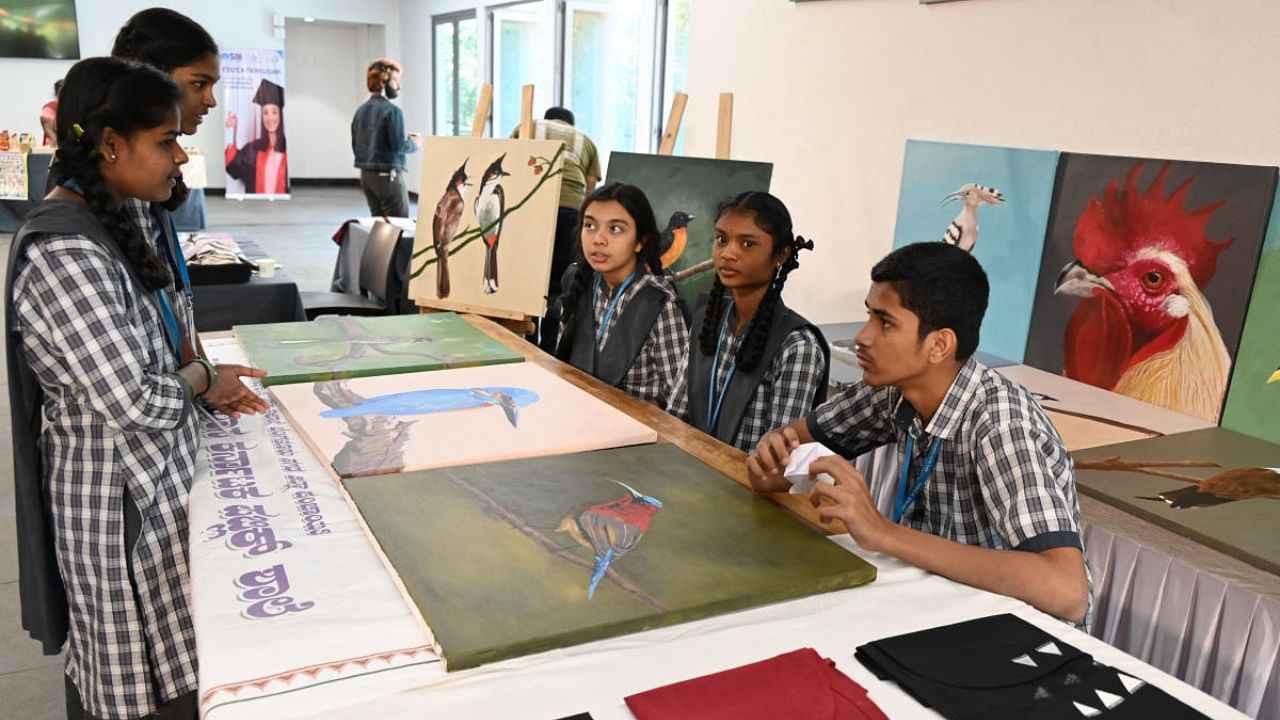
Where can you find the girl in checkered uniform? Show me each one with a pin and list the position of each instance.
(620, 317)
(103, 399)
(753, 363)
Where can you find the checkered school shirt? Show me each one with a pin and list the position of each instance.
(1003, 477)
(653, 375)
(140, 212)
(785, 392)
(115, 421)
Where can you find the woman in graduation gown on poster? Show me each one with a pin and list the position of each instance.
(620, 318)
(262, 164)
(752, 361)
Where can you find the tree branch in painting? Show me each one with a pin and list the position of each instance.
(375, 444)
(1146, 467)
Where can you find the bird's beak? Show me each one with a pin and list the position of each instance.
(1275, 377)
(953, 196)
(1076, 279)
(692, 218)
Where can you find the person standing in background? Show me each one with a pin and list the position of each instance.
(379, 142)
(581, 173)
(49, 118)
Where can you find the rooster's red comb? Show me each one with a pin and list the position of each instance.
(1113, 228)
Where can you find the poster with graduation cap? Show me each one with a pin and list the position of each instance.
(255, 150)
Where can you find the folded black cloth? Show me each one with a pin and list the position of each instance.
(1001, 667)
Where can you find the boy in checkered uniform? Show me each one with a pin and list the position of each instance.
(986, 494)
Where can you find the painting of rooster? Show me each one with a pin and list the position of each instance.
(1146, 277)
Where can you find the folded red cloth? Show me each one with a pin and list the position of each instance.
(799, 685)
(341, 235)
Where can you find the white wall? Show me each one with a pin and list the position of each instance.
(325, 65)
(240, 24)
(830, 91)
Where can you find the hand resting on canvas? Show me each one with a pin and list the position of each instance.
(230, 396)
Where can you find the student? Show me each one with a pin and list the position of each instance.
(180, 47)
(103, 404)
(753, 364)
(262, 164)
(987, 493)
(620, 318)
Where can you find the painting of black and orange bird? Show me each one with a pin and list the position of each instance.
(490, 204)
(1249, 483)
(610, 529)
(445, 225)
(675, 237)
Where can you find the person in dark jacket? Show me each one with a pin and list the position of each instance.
(380, 143)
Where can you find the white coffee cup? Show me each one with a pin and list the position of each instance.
(266, 268)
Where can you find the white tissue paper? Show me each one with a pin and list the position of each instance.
(797, 472)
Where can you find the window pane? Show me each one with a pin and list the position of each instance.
(468, 73)
(602, 53)
(517, 51)
(676, 64)
(444, 71)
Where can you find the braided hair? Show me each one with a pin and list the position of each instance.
(167, 40)
(633, 200)
(772, 217)
(127, 97)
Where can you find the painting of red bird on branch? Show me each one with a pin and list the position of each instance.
(1146, 276)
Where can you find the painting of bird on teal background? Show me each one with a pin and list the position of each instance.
(610, 529)
(441, 400)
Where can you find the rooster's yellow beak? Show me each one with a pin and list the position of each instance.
(1275, 377)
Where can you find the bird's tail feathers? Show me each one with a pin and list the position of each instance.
(602, 567)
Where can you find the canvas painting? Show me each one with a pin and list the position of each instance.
(1086, 416)
(1215, 486)
(418, 421)
(486, 225)
(993, 202)
(598, 544)
(1146, 276)
(685, 193)
(343, 346)
(1253, 400)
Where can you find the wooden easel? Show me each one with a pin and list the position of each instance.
(724, 125)
(516, 322)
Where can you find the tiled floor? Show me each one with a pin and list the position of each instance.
(297, 233)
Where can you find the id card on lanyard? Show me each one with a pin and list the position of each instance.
(611, 307)
(905, 497)
(716, 400)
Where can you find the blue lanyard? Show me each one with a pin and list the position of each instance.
(713, 402)
(179, 259)
(170, 324)
(903, 500)
(613, 303)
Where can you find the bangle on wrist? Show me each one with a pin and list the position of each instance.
(210, 374)
(191, 392)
